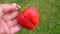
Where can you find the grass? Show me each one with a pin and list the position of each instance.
(49, 11)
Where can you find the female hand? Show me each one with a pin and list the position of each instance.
(8, 21)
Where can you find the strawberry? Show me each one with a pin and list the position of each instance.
(29, 18)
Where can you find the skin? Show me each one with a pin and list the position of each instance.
(8, 20)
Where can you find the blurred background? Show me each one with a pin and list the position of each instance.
(49, 11)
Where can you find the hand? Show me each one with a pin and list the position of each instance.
(8, 21)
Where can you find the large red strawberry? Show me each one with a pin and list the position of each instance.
(29, 18)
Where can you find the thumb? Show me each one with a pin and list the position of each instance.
(15, 29)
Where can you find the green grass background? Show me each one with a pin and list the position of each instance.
(49, 11)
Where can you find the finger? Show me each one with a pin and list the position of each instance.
(11, 16)
(6, 7)
(15, 6)
(9, 7)
(12, 23)
(15, 29)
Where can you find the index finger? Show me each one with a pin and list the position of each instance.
(9, 7)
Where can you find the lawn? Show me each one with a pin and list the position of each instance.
(49, 11)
